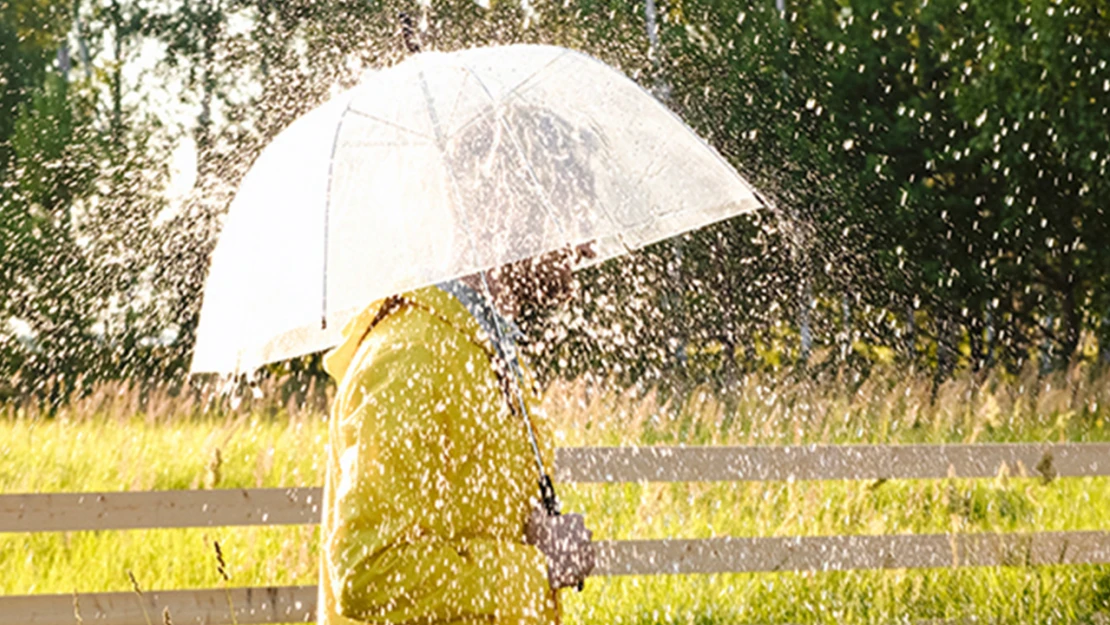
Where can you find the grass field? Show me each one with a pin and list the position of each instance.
(121, 440)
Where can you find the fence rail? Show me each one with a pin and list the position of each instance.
(58, 512)
(281, 506)
(286, 604)
(72, 512)
(829, 462)
(208, 606)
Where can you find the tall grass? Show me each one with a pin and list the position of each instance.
(124, 438)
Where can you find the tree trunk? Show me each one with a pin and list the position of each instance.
(82, 40)
(988, 344)
(1104, 341)
(946, 347)
(63, 60)
(676, 303)
(804, 329)
(911, 333)
(660, 87)
(845, 327)
(1046, 345)
(1073, 319)
(975, 340)
(117, 73)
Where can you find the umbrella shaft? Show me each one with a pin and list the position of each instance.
(545, 480)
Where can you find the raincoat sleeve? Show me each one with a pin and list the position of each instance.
(395, 469)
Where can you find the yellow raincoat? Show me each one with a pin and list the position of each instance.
(430, 477)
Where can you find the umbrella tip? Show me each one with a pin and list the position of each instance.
(408, 32)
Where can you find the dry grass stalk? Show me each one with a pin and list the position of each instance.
(213, 476)
(139, 592)
(221, 567)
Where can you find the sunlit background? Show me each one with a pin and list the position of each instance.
(932, 266)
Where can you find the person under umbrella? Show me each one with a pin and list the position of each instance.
(418, 181)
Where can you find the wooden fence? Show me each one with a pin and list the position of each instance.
(298, 506)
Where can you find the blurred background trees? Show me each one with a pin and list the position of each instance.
(936, 175)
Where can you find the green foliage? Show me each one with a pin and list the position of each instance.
(29, 33)
(42, 264)
(79, 195)
(936, 174)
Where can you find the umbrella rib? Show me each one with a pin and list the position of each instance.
(458, 98)
(389, 123)
(540, 191)
(528, 79)
(512, 92)
(688, 130)
(327, 203)
(327, 217)
(609, 215)
(385, 144)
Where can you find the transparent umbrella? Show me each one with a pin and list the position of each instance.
(442, 166)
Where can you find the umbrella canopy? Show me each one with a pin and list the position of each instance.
(441, 166)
